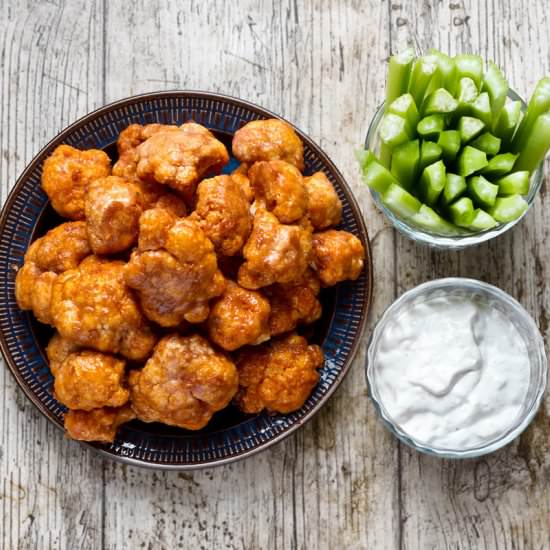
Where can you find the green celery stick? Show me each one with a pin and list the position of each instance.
(454, 187)
(482, 191)
(516, 183)
(429, 153)
(399, 70)
(469, 128)
(394, 130)
(385, 155)
(462, 212)
(377, 177)
(439, 101)
(425, 69)
(488, 143)
(507, 121)
(500, 165)
(449, 141)
(507, 209)
(538, 104)
(447, 70)
(480, 108)
(400, 202)
(405, 107)
(496, 86)
(429, 220)
(482, 221)
(432, 182)
(404, 163)
(470, 66)
(536, 144)
(466, 92)
(430, 126)
(363, 156)
(471, 160)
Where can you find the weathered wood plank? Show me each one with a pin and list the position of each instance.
(51, 73)
(321, 65)
(495, 502)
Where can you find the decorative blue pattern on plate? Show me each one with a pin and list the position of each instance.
(231, 435)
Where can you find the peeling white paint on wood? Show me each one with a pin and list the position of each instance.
(342, 481)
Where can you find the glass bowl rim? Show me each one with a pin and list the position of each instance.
(507, 436)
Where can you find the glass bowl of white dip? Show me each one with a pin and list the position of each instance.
(456, 368)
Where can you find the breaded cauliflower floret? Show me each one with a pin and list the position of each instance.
(278, 376)
(98, 424)
(184, 383)
(324, 206)
(66, 175)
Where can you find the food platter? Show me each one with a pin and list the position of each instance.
(231, 435)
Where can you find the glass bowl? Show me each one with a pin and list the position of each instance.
(495, 298)
(445, 241)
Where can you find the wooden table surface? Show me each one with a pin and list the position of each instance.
(342, 481)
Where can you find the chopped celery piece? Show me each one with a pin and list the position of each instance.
(394, 130)
(482, 221)
(538, 104)
(462, 212)
(377, 177)
(454, 187)
(471, 160)
(439, 101)
(385, 155)
(363, 156)
(404, 163)
(481, 108)
(469, 128)
(428, 219)
(430, 126)
(429, 153)
(488, 143)
(516, 183)
(507, 209)
(400, 202)
(399, 71)
(449, 141)
(432, 182)
(482, 191)
(500, 165)
(425, 69)
(536, 144)
(496, 86)
(466, 92)
(447, 69)
(470, 66)
(507, 121)
(405, 107)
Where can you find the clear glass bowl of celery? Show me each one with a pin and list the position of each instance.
(466, 165)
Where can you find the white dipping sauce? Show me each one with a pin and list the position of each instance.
(451, 372)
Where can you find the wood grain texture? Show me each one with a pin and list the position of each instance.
(342, 481)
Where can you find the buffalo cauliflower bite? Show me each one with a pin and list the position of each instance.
(180, 157)
(277, 376)
(184, 383)
(222, 211)
(240, 176)
(66, 175)
(88, 380)
(176, 274)
(270, 139)
(338, 256)
(113, 208)
(58, 349)
(60, 249)
(280, 186)
(92, 306)
(239, 317)
(274, 253)
(294, 303)
(324, 206)
(98, 424)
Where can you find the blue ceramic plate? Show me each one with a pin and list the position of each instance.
(231, 434)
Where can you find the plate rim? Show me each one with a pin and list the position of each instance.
(362, 229)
